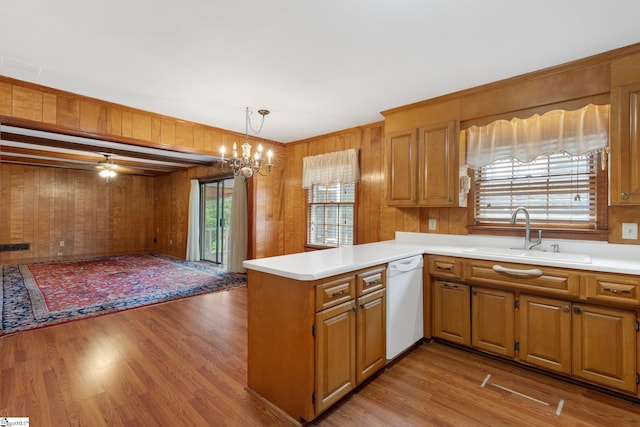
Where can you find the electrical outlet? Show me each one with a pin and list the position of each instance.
(433, 223)
(630, 230)
(60, 254)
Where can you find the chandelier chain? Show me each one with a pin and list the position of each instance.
(249, 125)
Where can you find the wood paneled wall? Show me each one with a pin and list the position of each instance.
(56, 110)
(375, 220)
(64, 111)
(369, 141)
(43, 206)
(268, 206)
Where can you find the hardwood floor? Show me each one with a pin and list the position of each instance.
(184, 363)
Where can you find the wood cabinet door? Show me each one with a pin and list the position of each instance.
(604, 346)
(492, 321)
(402, 161)
(451, 312)
(335, 354)
(545, 333)
(371, 334)
(438, 165)
(625, 146)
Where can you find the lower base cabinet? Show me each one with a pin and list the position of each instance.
(335, 354)
(311, 342)
(350, 346)
(604, 346)
(492, 321)
(589, 342)
(545, 333)
(451, 312)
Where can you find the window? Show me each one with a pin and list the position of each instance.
(552, 164)
(559, 190)
(330, 214)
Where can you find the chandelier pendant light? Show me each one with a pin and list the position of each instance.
(247, 165)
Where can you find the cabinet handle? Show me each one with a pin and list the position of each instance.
(373, 282)
(532, 272)
(442, 268)
(565, 308)
(450, 286)
(577, 310)
(626, 292)
(614, 291)
(624, 196)
(337, 294)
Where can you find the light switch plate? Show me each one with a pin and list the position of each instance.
(433, 223)
(630, 230)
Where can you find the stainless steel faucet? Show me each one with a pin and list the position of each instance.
(528, 244)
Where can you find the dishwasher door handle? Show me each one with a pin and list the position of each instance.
(406, 264)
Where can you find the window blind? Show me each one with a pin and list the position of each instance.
(555, 188)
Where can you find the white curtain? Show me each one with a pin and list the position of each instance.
(193, 230)
(237, 244)
(324, 169)
(573, 132)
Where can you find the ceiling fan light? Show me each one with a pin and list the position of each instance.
(107, 173)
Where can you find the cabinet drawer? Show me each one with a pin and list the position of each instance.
(523, 276)
(335, 292)
(445, 267)
(371, 280)
(613, 288)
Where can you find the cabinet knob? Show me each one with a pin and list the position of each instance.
(565, 308)
(624, 196)
(354, 308)
(577, 310)
(474, 292)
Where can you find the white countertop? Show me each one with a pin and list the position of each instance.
(329, 262)
(605, 257)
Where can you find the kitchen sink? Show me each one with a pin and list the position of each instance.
(532, 254)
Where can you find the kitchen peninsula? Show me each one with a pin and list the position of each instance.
(585, 293)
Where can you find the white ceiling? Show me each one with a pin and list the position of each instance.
(319, 66)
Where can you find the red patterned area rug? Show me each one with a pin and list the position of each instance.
(37, 295)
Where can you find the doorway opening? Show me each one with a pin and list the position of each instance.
(216, 200)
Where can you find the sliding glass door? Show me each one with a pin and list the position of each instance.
(215, 197)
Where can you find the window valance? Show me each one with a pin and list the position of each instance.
(573, 132)
(324, 169)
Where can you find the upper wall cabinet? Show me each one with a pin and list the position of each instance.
(625, 146)
(423, 165)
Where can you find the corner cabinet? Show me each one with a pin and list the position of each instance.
(311, 342)
(423, 166)
(625, 146)
(451, 312)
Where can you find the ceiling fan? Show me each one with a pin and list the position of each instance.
(107, 167)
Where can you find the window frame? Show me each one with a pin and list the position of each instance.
(310, 246)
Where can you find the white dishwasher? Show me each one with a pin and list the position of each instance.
(404, 304)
